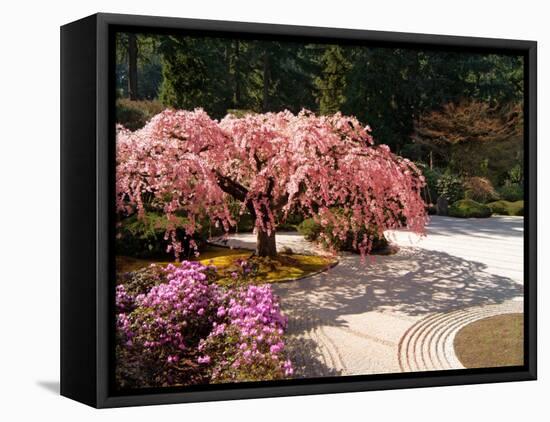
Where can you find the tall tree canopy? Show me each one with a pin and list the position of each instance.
(138, 66)
(390, 88)
(194, 74)
(474, 137)
(332, 83)
(275, 163)
(387, 87)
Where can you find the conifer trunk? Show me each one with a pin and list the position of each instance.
(132, 67)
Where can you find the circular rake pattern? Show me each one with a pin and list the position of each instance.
(428, 344)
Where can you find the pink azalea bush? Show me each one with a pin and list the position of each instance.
(273, 164)
(249, 341)
(189, 330)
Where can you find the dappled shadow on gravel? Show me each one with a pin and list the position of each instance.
(307, 359)
(412, 283)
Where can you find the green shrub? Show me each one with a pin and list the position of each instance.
(467, 208)
(511, 192)
(499, 207)
(519, 210)
(135, 114)
(429, 192)
(311, 231)
(131, 117)
(142, 280)
(144, 237)
(245, 223)
(450, 187)
(291, 223)
(237, 112)
(294, 218)
(431, 209)
(515, 175)
(286, 227)
(506, 208)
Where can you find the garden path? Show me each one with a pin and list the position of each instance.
(401, 312)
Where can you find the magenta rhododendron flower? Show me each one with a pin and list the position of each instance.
(288, 368)
(124, 301)
(232, 334)
(204, 359)
(254, 327)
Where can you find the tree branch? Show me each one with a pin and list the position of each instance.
(283, 200)
(229, 186)
(236, 190)
(259, 163)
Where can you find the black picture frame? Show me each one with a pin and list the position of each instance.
(87, 172)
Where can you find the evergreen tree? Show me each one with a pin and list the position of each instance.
(138, 67)
(286, 72)
(388, 88)
(331, 84)
(195, 74)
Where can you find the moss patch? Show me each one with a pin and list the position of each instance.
(283, 267)
(491, 342)
(127, 263)
(467, 208)
(267, 270)
(506, 207)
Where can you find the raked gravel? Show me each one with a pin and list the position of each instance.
(400, 312)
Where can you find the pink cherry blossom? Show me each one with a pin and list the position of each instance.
(273, 164)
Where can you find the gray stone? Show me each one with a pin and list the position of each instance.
(442, 206)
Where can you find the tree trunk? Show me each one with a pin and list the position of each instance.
(132, 67)
(237, 70)
(265, 102)
(265, 244)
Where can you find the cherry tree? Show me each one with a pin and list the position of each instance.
(272, 164)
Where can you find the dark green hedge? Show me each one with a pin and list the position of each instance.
(506, 207)
(467, 208)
